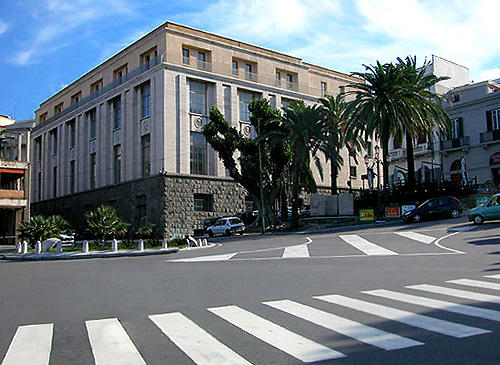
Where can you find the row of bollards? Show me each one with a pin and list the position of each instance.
(200, 243)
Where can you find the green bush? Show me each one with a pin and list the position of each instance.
(40, 228)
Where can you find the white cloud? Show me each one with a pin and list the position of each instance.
(492, 74)
(3, 27)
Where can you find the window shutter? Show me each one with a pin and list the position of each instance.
(489, 123)
(461, 126)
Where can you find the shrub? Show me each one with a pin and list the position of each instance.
(104, 222)
(40, 228)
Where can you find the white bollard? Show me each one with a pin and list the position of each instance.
(18, 247)
(24, 247)
(59, 247)
(85, 247)
(164, 244)
(205, 242)
(38, 247)
(140, 245)
(193, 241)
(114, 245)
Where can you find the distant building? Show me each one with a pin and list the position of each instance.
(14, 176)
(128, 132)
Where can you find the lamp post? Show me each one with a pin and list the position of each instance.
(262, 213)
(377, 161)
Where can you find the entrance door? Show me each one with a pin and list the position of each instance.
(496, 175)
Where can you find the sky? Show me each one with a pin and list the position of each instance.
(47, 44)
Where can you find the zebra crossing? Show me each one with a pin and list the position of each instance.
(362, 247)
(110, 343)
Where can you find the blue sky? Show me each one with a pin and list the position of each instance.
(46, 44)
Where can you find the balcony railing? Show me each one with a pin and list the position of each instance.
(448, 144)
(11, 194)
(252, 76)
(397, 153)
(489, 136)
(204, 65)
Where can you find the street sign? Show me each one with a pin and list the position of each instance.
(392, 212)
(366, 215)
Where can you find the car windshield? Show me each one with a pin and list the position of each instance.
(424, 203)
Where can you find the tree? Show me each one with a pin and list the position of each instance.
(240, 155)
(40, 228)
(104, 222)
(302, 128)
(335, 111)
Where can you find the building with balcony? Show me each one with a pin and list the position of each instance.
(128, 132)
(14, 177)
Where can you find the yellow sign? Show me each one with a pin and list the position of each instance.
(366, 215)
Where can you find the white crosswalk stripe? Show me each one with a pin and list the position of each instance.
(198, 344)
(466, 310)
(412, 319)
(299, 251)
(476, 283)
(111, 344)
(31, 345)
(367, 247)
(496, 276)
(416, 236)
(293, 344)
(457, 293)
(358, 331)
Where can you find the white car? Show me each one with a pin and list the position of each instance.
(227, 226)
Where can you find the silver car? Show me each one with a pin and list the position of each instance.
(227, 226)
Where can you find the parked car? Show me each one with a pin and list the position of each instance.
(247, 217)
(485, 212)
(436, 208)
(227, 226)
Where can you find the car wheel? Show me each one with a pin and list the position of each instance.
(455, 213)
(210, 233)
(228, 232)
(241, 233)
(417, 218)
(478, 219)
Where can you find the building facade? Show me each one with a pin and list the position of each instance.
(128, 133)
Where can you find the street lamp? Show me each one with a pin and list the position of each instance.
(377, 161)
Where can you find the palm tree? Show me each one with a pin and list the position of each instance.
(302, 129)
(40, 228)
(428, 112)
(335, 111)
(104, 222)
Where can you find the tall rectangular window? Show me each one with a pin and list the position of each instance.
(120, 72)
(495, 119)
(198, 97)
(54, 181)
(117, 112)
(235, 68)
(145, 100)
(72, 177)
(53, 137)
(185, 56)
(198, 154)
(117, 168)
(289, 81)
(248, 71)
(146, 155)
(76, 98)
(323, 89)
(96, 86)
(245, 97)
(71, 133)
(341, 90)
(456, 128)
(93, 170)
(202, 60)
(38, 149)
(58, 108)
(278, 78)
(92, 122)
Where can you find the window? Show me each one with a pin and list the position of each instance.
(76, 98)
(92, 122)
(285, 103)
(72, 177)
(202, 60)
(352, 171)
(71, 133)
(198, 153)
(198, 97)
(120, 72)
(58, 108)
(245, 97)
(93, 170)
(96, 86)
(145, 100)
(117, 168)
(38, 149)
(146, 155)
(235, 68)
(456, 97)
(278, 78)
(369, 148)
(147, 57)
(397, 143)
(203, 202)
(457, 128)
(248, 71)
(54, 181)
(289, 81)
(140, 211)
(43, 117)
(493, 120)
(53, 137)
(116, 105)
(185, 56)
(341, 90)
(323, 89)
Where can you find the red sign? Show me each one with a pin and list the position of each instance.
(392, 212)
(495, 158)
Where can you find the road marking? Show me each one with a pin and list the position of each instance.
(409, 318)
(476, 283)
(437, 243)
(415, 236)
(196, 343)
(365, 246)
(497, 276)
(358, 331)
(462, 228)
(466, 310)
(293, 344)
(111, 344)
(464, 294)
(30, 345)
(212, 258)
(299, 251)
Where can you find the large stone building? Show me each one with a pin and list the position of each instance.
(128, 133)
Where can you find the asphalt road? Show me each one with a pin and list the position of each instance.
(328, 298)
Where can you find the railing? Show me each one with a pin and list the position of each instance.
(252, 76)
(204, 65)
(11, 194)
(420, 150)
(455, 143)
(397, 153)
(489, 136)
